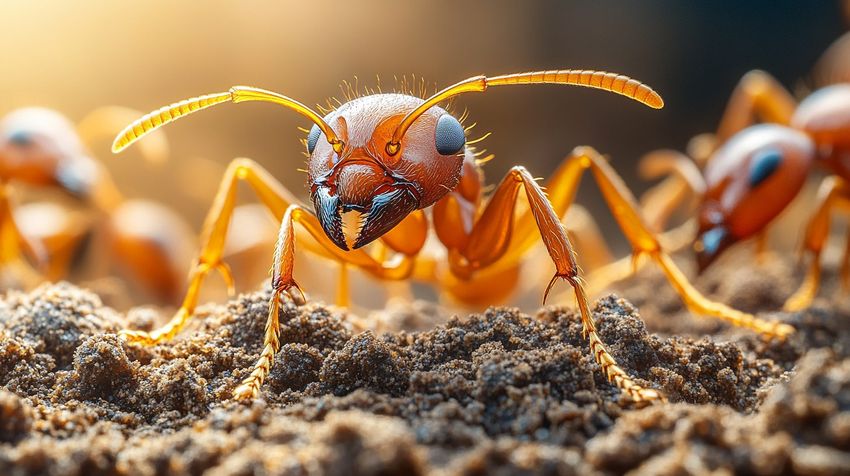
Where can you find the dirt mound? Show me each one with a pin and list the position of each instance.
(500, 391)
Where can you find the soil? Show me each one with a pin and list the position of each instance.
(500, 392)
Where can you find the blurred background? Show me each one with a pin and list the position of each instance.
(77, 56)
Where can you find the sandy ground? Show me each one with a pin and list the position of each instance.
(499, 392)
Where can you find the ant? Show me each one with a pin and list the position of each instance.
(752, 172)
(377, 163)
(41, 148)
(833, 66)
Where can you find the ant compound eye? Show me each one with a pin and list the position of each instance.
(763, 165)
(450, 136)
(313, 137)
(20, 138)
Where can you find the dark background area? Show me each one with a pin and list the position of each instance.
(81, 55)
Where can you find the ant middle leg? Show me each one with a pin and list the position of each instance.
(834, 193)
(490, 241)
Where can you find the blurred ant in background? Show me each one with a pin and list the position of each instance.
(42, 150)
(834, 65)
(752, 172)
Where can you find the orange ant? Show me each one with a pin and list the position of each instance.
(753, 171)
(834, 66)
(40, 147)
(382, 160)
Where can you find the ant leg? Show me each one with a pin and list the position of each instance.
(277, 199)
(408, 237)
(343, 287)
(757, 94)
(700, 148)
(684, 182)
(489, 240)
(622, 204)
(282, 282)
(284, 285)
(762, 247)
(14, 246)
(845, 260)
(585, 235)
(273, 195)
(834, 192)
(673, 240)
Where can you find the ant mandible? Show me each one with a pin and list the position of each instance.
(389, 157)
(40, 147)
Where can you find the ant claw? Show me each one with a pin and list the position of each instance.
(245, 393)
(552, 284)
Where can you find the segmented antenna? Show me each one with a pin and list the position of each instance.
(236, 94)
(163, 116)
(613, 82)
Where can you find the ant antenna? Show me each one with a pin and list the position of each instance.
(612, 82)
(155, 120)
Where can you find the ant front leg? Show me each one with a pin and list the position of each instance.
(834, 193)
(758, 94)
(282, 284)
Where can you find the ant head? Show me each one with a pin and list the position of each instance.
(366, 179)
(750, 180)
(35, 143)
